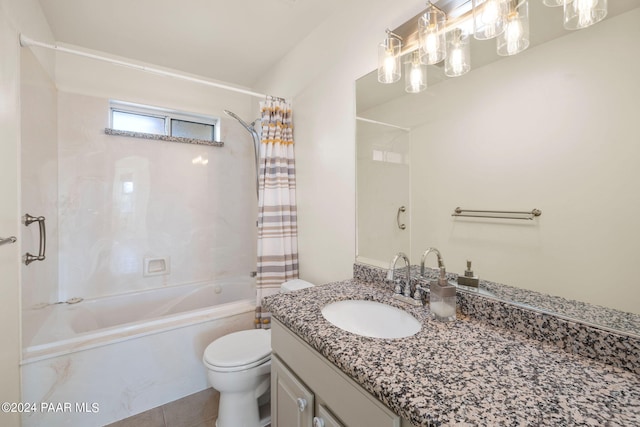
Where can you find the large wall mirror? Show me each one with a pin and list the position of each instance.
(555, 128)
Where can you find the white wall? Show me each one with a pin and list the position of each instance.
(15, 16)
(9, 220)
(320, 74)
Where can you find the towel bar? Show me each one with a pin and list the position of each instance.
(470, 213)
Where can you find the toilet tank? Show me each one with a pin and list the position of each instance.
(294, 285)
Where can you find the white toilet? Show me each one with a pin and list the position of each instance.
(239, 367)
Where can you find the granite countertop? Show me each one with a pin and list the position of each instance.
(464, 372)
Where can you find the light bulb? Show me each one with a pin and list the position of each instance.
(489, 18)
(490, 12)
(432, 45)
(585, 11)
(415, 78)
(457, 61)
(389, 59)
(513, 34)
(389, 66)
(431, 34)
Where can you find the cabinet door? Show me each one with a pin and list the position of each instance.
(324, 418)
(292, 403)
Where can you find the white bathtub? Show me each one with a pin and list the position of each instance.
(126, 353)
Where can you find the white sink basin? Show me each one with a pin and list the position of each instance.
(371, 319)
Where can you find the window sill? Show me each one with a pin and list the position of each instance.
(166, 138)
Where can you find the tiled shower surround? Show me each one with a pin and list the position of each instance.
(123, 199)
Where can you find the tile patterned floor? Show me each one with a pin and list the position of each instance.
(197, 410)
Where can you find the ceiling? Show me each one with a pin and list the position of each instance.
(234, 41)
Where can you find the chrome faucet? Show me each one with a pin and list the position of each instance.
(401, 294)
(424, 256)
(391, 273)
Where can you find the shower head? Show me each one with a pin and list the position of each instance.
(256, 140)
(248, 127)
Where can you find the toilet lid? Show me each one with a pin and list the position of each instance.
(239, 349)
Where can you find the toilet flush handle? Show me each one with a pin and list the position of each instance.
(302, 404)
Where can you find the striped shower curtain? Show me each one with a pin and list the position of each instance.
(277, 216)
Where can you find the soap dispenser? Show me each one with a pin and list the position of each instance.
(442, 299)
(468, 279)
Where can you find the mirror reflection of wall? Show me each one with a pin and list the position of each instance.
(382, 187)
(553, 128)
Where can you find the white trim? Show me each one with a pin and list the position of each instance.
(362, 119)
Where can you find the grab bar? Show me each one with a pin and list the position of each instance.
(7, 240)
(29, 258)
(470, 213)
(400, 210)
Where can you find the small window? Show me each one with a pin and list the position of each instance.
(151, 120)
(194, 130)
(134, 122)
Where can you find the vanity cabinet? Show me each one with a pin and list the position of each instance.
(292, 402)
(309, 391)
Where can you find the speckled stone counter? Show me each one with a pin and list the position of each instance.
(539, 317)
(465, 372)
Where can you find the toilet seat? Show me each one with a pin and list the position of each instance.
(239, 351)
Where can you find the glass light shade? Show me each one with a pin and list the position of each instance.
(389, 70)
(458, 61)
(553, 3)
(515, 37)
(431, 27)
(488, 18)
(583, 13)
(415, 74)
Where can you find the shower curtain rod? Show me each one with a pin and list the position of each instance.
(26, 42)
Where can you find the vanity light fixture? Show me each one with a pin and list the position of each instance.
(389, 58)
(583, 13)
(444, 32)
(415, 78)
(488, 18)
(431, 29)
(458, 57)
(515, 37)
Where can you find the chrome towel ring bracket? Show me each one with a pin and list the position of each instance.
(29, 258)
